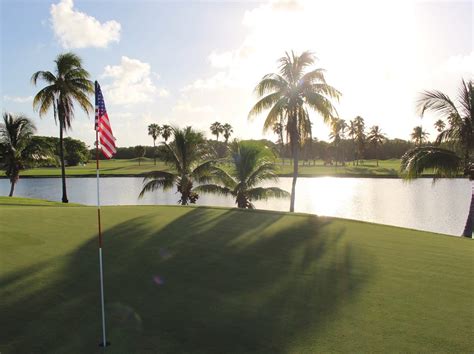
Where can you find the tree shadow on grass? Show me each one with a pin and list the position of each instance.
(210, 281)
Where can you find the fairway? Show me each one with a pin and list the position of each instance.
(123, 167)
(216, 280)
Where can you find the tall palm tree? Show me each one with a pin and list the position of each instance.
(154, 130)
(419, 136)
(440, 125)
(70, 83)
(227, 131)
(360, 137)
(216, 129)
(251, 165)
(376, 138)
(459, 133)
(290, 93)
(188, 156)
(166, 132)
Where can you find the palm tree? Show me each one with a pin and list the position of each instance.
(460, 129)
(289, 94)
(376, 138)
(69, 83)
(16, 149)
(189, 157)
(338, 128)
(440, 125)
(140, 152)
(359, 137)
(419, 136)
(166, 132)
(154, 130)
(251, 165)
(216, 129)
(352, 131)
(459, 133)
(227, 131)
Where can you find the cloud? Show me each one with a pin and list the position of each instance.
(186, 107)
(75, 29)
(18, 99)
(131, 83)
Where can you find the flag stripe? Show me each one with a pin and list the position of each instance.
(102, 125)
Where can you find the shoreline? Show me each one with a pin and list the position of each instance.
(345, 175)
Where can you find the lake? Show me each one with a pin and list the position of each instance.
(421, 204)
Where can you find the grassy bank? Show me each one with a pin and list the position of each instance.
(387, 168)
(214, 280)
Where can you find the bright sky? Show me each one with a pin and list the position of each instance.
(192, 63)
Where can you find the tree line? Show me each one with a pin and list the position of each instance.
(286, 98)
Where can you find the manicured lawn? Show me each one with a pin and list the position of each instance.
(215, 280)
(367, 168)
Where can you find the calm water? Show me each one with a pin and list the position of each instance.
(439, 207)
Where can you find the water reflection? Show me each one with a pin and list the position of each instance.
(439, 207)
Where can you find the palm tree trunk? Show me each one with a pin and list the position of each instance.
(12, 187)
(468, 228)
(154, 152)
(295, 176)
(61, 157)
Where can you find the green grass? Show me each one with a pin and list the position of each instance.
(368, 168)
(232, 282)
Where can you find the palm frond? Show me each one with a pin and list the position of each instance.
(437, 102)
(275, 114)
(212, 189)
(444, 163)
(46, 76)
(261, 193)
(271, 83)
(265, 103)
(321, 105)
(157, 180)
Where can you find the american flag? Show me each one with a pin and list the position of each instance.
(102, 125)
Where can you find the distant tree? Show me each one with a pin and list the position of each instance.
(289, 94)
(16, 150)
(337, 132)
(76, 152)
(278, 130)
(359, 125)
(440, 125)
(419, 136)
(140, 152)
(352, 131)
(252, 164)
(154, 130)
(227, 131)
(216, 129)
(188, 156)
(376, 138)
(166, 132)
(69, 83)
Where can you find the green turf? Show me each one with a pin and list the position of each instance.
(368, 168)
(231, 282)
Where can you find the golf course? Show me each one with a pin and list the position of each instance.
(217, 280)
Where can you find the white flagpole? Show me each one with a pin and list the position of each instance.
(104, 339)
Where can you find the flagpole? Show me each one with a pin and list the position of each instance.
(104, 340)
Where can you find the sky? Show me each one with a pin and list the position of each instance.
(196, 62)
